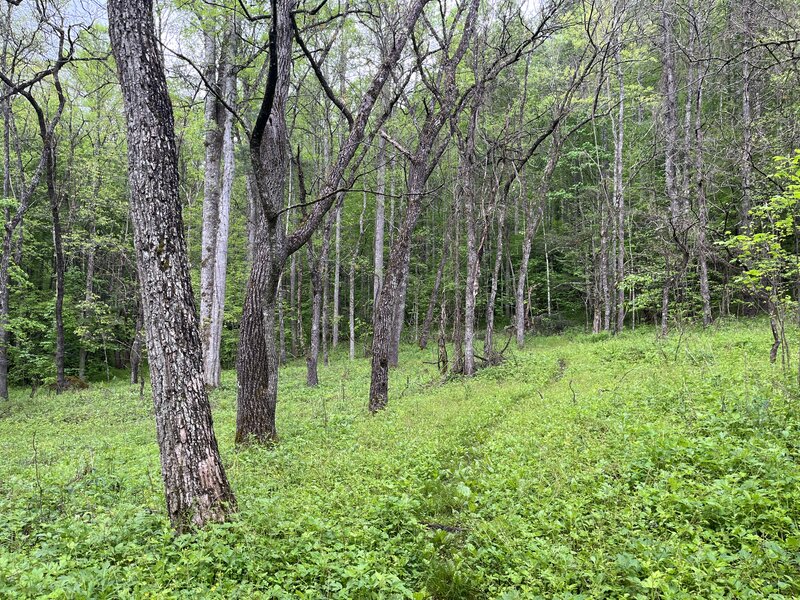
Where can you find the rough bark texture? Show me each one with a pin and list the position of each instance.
(196, 487)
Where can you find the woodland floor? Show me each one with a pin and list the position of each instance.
(583, 467)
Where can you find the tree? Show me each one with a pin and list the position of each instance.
(257, 364)
(195, 483)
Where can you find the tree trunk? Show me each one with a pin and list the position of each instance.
(533, 217)
(196, 487)
(312, 358)
(5, 259)
(257, 392)
(88, 298)
(136, 347)
(257, 358)
(437, 286)
(212, 358)
(385, 314)
(352, 281)
(700, 184)
(619, 191)
(399, 318)
(293, 321)
(457, 366)
(337, 265)
(380, 219)
(488, 342)
(747, 121)
(675, 224)
(474, 244)
(214, 135)
(58, 251)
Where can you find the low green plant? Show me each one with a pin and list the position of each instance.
(581, 467)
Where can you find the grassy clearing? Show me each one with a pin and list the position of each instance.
(583, 467)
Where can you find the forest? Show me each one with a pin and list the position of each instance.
(424, 298)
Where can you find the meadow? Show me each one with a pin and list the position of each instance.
(582, 467)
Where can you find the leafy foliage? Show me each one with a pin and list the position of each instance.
(583, 467)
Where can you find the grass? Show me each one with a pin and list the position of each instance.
(582, 467)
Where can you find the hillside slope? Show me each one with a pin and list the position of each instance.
(582, 467)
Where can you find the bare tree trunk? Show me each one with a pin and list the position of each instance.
(281, 324)
(399, 318)
(457, 365)
(88, 298)
(474, 244)
(60, 267)
(312, 357)
(257, 385)
(196, 487)
(385, 313)
(325, 311)
(619, 192)
(293, 321)
(212, 359)
(7, 237)
(534, 213)
(700, 184)
(605, 286)
(136, 347)
(352, 281)
(747, 121)
(253, 216)
(675, 224)
(437, 286)
(380, 219)
(337, 265)
(213, 155)
(488, 342)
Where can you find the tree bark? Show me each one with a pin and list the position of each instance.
(196, 487)
(212, 358)
(214, 136)
(352, 279)
(675, 224)
(88, 298)
(534, 213)
(488, 342)
(437, 286)
(474, 243)
(257, 372)
(619, 191)
(747, 121)
(136, 347)
(380, 219)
